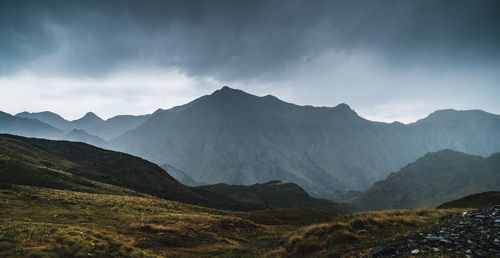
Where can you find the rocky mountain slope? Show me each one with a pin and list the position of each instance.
(433, 179)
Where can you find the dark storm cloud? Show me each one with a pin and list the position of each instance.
(241, 39)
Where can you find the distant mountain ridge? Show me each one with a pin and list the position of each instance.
(432, 180)
(80, 135)
(234, 137)
(90, 122)
(27, 127)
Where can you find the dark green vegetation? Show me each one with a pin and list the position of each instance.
(274, 194)
(59, 164)
(476, 201)
(433, 179)
(237, 138)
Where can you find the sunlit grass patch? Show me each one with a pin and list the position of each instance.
(360, 231)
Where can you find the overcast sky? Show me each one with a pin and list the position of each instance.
(388, 60)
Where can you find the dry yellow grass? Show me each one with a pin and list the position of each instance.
(39, 221)
(152, 224)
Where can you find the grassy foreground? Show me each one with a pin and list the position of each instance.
(48, 222)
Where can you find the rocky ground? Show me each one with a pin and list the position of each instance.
(473, 234)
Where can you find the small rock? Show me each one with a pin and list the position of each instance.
(433, 238)
(468, 251)
(415, 251)
(384, 250)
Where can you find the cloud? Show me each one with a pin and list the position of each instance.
(240, 40)
(373, 55)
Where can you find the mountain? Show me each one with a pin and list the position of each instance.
(27, 127)
(179, 175)
(234, 137)
(275, 194)
(433, 179)
(476, 201)
(47, 117)
(117, 125)
(80, 135)
(72, 165)
(90, 122)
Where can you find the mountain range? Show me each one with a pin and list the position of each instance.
(433, 179)
(234, 137)
(90, 122)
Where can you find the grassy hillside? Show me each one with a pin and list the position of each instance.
(38, 221)
(275, 194)
(41, 221)
(70, 166)
(476, 201)
(433, 179)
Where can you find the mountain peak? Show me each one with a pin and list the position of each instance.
(226, 90)
(345, 109)
(226, 93)
(91, 116)
(343, 106)
(22, 114)
(37, 115)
